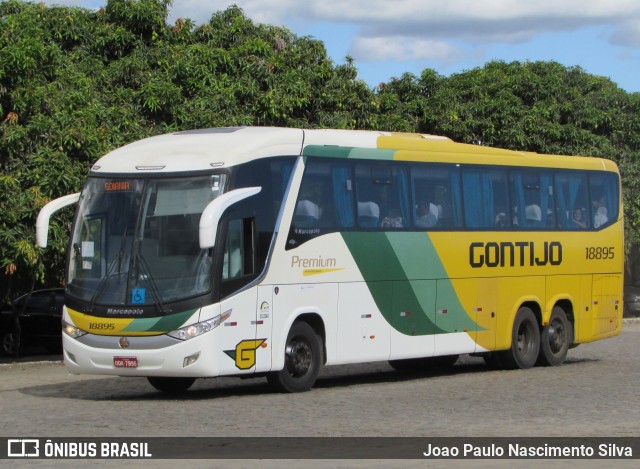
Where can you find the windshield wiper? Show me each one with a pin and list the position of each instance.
(102, 287)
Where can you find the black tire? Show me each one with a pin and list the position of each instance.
(427, 363)
(525, 341)
(302, 360)
(555, 339)
(171, 385)
(9, 342)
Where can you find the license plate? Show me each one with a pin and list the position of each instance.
(125, 362)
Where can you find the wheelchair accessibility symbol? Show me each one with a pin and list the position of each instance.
(138, 295)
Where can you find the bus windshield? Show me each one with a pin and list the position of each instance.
(135, 241)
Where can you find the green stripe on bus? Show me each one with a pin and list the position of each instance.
(326, 151)
(348, 152)
(162, 324)
(393, 267)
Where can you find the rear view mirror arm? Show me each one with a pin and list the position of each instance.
(42, 223)
(213, 212)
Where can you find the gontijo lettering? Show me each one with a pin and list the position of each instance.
(520, 253)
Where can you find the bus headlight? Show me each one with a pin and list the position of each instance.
(71, 330)
(194, 330)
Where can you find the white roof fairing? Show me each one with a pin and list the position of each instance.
(343, 138)
(199, 150)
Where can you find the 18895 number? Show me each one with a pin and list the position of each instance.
(101, 326)
(598, 253)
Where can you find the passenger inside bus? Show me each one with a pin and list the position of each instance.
(307, 214)
(427, 214)
(533, 215)
(600, 217)
(393, 219)
(578, 219)
(368, 214)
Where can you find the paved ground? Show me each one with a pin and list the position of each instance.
(594, 394)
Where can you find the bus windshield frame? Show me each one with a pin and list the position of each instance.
(134, 244)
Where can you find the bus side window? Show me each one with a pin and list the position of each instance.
(239, 259)
(382, 196)
(485, 197)
(604, 199)
(532, 199)
(572, 204)
(435, 196)
(342, 203)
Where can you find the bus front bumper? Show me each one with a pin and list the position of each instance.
(137, 356)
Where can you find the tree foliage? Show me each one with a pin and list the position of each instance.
(77, 83)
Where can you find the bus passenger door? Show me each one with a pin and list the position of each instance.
(239, 343)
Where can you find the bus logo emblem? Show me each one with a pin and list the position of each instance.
(245, 353)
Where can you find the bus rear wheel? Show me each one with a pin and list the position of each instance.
(525, 341)
(555, 339)
(303, 354)
(170, 385)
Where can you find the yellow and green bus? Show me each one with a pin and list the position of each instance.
(270, 251)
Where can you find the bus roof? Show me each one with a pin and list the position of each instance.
(204, 149)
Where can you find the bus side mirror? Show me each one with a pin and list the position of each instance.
(42, 223)
(213, 212)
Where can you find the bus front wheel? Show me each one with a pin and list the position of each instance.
(555, 339)
(170, 385)
(303, 354)
(525, 341)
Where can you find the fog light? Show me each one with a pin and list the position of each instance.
(190, 360)
(71, 357)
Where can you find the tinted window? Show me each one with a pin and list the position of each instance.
(41, 301)
(572, 198)
(485, 198)
(273, 177)
(532, 201)
(382, 196)
(238, 259)
(604, 199)
(435, 196)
